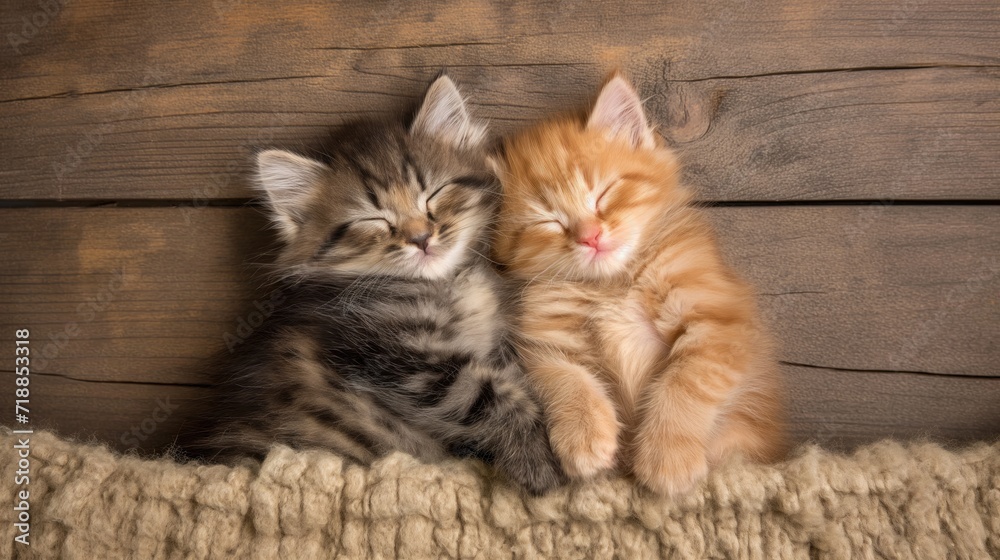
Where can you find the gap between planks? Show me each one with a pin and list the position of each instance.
(76, 94)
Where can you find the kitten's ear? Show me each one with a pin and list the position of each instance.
(443, 115)
(619, 111)
(287, 180)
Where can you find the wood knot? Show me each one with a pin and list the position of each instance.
(689, 112)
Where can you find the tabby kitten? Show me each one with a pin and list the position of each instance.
(391, 334)
(640, 340)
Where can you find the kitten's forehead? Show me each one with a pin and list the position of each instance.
(388, 160)
(571, 188)
(372, 152)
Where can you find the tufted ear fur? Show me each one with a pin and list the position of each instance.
(618, 110)
(287, 180)
(443, 115)
(497, 163)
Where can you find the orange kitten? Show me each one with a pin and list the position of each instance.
(643, 344)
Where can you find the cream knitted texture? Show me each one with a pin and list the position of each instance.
(886, 500)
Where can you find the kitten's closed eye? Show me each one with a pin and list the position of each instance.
(430, 199)
(437, 191)
(334, 236)
(555, 226)
(381, 223)
(592, 219)
(389, 200)
(601, 202)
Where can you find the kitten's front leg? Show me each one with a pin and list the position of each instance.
(499, 419)
(583, 427)
(556, 345)
(682, 405)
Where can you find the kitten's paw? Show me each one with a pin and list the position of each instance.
(672, 466)
(540, 473)
(530, 462)
(586, 444)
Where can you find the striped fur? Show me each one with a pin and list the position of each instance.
(392, 333)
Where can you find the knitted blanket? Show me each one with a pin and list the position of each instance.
(887, 500)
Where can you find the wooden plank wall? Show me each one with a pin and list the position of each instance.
(847, 151)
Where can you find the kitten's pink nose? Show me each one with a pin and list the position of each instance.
(417, 232)
(590, 234)
(420, 241)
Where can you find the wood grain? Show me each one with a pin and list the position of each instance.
(151, 292)
(126, 416)
(99, 45)
(869, 135)
(129, 294)
(137, 111)
(876, 287)
(841, 410)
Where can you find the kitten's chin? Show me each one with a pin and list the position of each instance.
(603, 265)
(594, 264)
(437, 263)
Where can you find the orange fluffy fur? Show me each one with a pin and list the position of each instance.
(646, 348)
